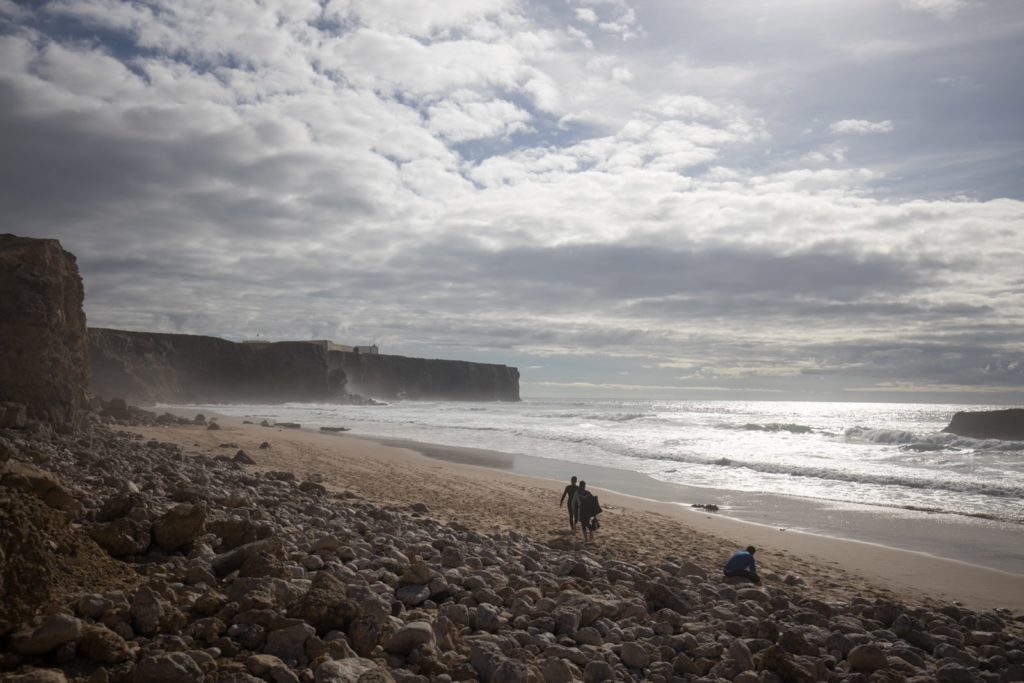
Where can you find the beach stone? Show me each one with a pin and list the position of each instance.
(955, 673)
(172, 667)
(179, 526)
(795, 642)
(410, 636)
(868, 657)
(598, 671)
(37, 676)
(289, 642)
(510, 671)
(325, 606)
(122, 537)
(48, 634)
(633, 655)
(243, 458)
(413, 595)
(557, 670)
(755, 594)
(365, 632)
(780, 662)
(102, 645)
(147, 610)
(352, 670)
(739, 651)
(487, 618)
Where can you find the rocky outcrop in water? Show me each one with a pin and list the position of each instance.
(1006, 425)
(44, 364)
(152, 367)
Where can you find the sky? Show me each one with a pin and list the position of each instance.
(699, 199)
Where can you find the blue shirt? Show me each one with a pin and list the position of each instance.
(741, 560)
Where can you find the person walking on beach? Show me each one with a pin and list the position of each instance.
(742, 564)
(570, 492)
(585, 504)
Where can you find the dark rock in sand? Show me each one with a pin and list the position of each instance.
(1007, 425)
(242, 458)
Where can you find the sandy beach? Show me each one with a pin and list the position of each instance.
(471, 487)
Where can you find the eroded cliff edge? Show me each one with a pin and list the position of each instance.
(179, 368)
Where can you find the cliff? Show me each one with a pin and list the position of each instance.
(391, 377)
(44, 365)
(1006, 425)
(184, 368)
(152, 367)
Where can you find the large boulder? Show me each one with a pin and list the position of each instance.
(1007, 425)
(179, 526)
(44, 360)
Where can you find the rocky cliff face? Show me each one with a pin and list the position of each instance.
(183, 368)
(391, 377)
(1007, 425)
(152, 367)
(44, 364)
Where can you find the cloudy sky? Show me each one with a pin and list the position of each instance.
(812, 199)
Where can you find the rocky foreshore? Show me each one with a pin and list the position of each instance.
(132, 560)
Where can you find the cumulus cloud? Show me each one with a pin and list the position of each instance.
(861, 127)
(941, 8)
(491, 181)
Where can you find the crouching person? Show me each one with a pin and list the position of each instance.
(742, 564)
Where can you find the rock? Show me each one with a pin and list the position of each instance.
(243, 458)
(778, 661)
(264, 445)
(739, 651)
(598, 671)
(122, 537)
(510, 671)
(48, 634)
(413, 595)
(173, 667)
(38, 676)
(102, 645)
(179, 526)
(868, 657)
(1007, 425)
(352, 670)
(325, 606)
(213, 426)
(633, 655)
(556, 670)
(410, 636)
(955, 673)
(42, 484)
(290, 642)
(13, 415)
(225, 563)
(44, 362)
(147, 610)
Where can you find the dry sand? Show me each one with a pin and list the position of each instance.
(633, 529)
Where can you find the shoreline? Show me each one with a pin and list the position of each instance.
(930, 534)
(462, 485)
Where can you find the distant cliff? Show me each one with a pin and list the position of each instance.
(153, 367)
(150, 367)
(1006, 425)
(391, 377)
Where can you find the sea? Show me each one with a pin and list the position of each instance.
(878, 461)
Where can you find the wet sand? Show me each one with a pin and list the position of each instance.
(492, 491)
